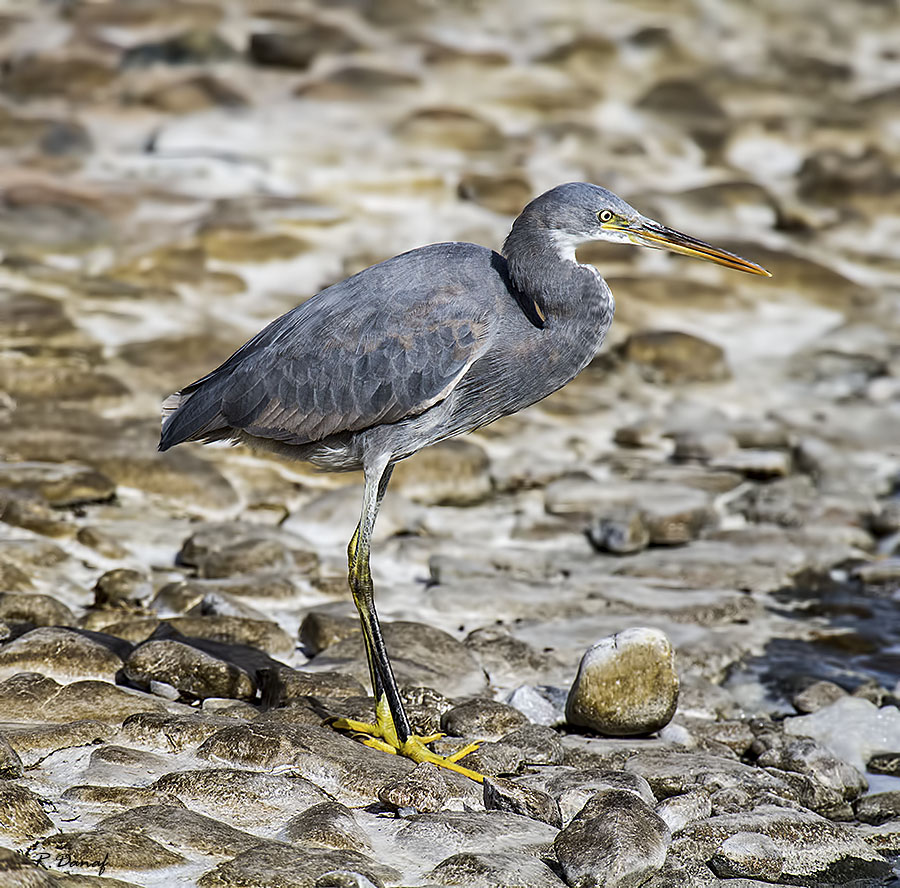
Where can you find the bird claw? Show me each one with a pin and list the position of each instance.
(383, 736)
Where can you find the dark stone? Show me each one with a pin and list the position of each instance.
(299, 48)
(506, 795)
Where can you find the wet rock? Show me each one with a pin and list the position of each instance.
(191, 47)
(113, 850)
(327, 825)
(320, 630)
(748, 856)
(101, 542)
(121, 587)
(297, 49)
(673, 358)
(621, 531)
(421, 655)
(179, 828)
(482, 718)
(43, 76)
(282, 686)
(506, 795)
(703, 446)
(878, 807)
(35, 742)
(34, 609)
(572, 788)
(10, 763)
(853, 729)
(276, 864)
(506, 193)
(813, 849)
(682, 810)
(61, 485)
(423, 789)
(626, 684)
(58, 653)
(506, 659)
(816, 696)
(452, 473)
(434, 837)
(450, 128)
(195, 673)
(22, 817)
(356, 82)
(349, 771)
(171, 733)
(34, 515)
(615, 840)
(506, 869)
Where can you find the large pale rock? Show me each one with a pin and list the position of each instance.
(626, 684)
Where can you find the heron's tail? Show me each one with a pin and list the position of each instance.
(193, 414)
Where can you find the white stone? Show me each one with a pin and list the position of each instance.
(535, 706)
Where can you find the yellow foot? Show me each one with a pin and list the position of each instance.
(383, 735)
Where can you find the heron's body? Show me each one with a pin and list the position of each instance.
(402, 355)
(422, 347)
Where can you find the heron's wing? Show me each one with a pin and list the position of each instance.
(374, 349)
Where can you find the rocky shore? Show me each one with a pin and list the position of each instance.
(710, 509)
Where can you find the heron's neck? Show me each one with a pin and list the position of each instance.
(542, 264)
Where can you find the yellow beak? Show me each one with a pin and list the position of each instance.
(648, 233)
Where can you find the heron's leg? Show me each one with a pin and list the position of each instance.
(392, 731)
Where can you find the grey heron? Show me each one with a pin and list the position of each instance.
(424, 346)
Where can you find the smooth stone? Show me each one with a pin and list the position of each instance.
(195, 673)
(504, 869)
(501, 794)
(181, 596)
(319, 630)
(116, 851)
(244, 798)
(282, 686)
(115, 764)
(60, 654)
(756, 464)
(506, 659)
(423, 790)
(494, 759)
(671, 357)
(171, 733)
(122, 587)
(179, 828)
(327, 825)
(452, 473)
(704, 446)
(22, 817)
(432, 838)
(748, 855)
(298, 48)
(443, 127)
(194, 94)
(121, 797)
(626, 684)
(421, 656)
(573, 787)
(60, 484)
(350, 772)
(504, 193)
(271, 864)
(878, 807)
(616, 840)
(537, 744)
(682, 810)
(34, 609)
(35, 742)
(537, 707)
(813, 849)
(853, 729)
(817, 696)
(356, 82)
(621, 531)
(483, 719)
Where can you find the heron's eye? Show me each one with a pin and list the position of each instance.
(605, 216)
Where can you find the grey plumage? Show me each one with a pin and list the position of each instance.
(422, 347)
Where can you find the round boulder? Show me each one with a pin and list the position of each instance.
(626, 684)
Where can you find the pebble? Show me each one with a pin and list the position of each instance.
(34, 609)
(747, 855)
(327, 825)
(422, 789)
(505, 869)
(482, 718)
(621, 532)
(878, 807)
(817, 696)
(616, 840)
(506, 795)
(452, 473)
(626, 684)
(673, 357)
(680, 811)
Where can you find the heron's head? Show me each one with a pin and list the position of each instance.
(579, 213)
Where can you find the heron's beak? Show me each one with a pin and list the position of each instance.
(648, 233)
